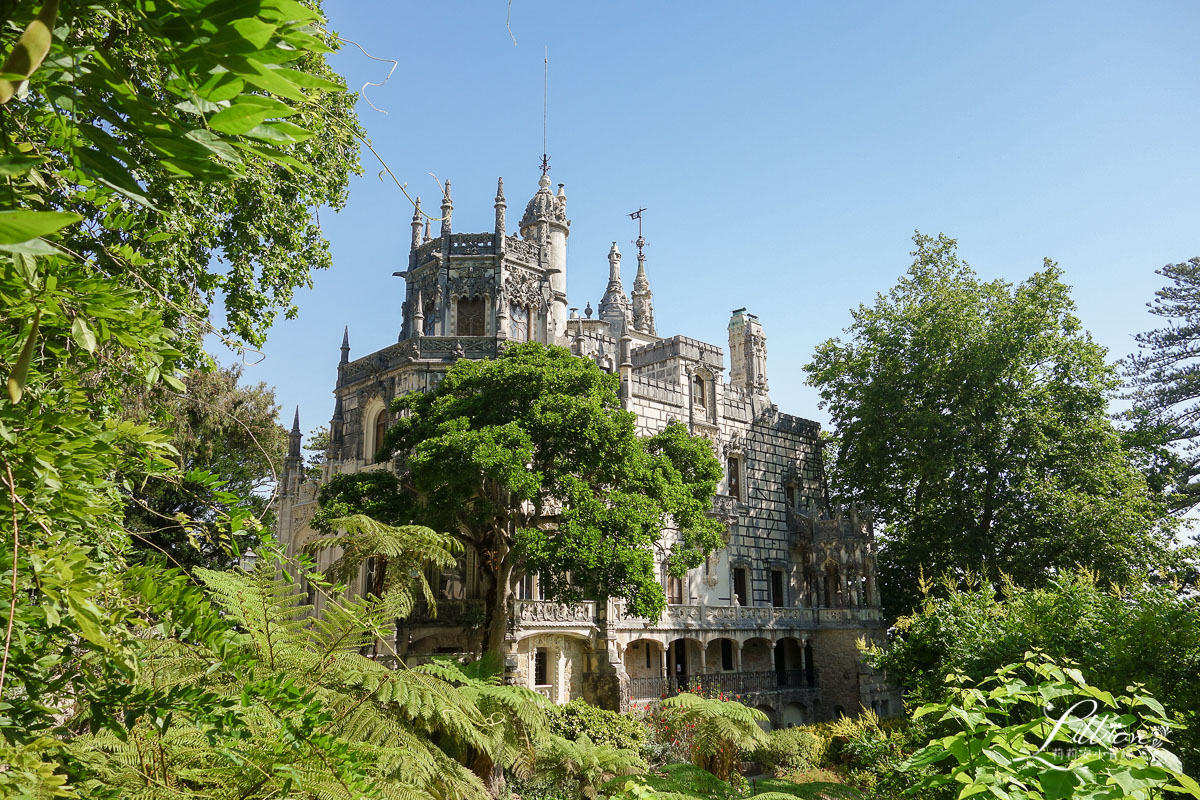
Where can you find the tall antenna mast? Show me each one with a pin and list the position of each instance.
(545, 106)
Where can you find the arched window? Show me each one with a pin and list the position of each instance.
(380, 432)
(470, 317)
(430, 325)
(699, 393)
(518, 323)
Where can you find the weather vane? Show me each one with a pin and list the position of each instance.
(640, 242)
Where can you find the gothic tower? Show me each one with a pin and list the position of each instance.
(747, 354)
(643, 301)
(614, 306)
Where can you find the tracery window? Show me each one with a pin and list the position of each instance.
(518, 323)
(430, 319)
(470, 317)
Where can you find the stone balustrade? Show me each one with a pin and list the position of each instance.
(548, 613)
(702, 616)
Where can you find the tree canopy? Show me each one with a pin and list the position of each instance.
(971, 419)
(1165, 381)
(230, 449)
(530, 459)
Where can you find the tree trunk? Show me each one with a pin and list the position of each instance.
(497, 568)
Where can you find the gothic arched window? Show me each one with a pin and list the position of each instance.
(470, 317)
(380, 432)
(518, 323)
(430, 319)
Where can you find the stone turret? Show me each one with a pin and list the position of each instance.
(293, 465)
(545, 222)
(643, 300)
(747, 354)
(614, 306)
(416, 227)
(501, 205)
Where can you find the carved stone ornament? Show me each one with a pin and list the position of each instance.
(523, 288)
(474, 281)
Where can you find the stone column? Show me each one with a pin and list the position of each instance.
(703, 658)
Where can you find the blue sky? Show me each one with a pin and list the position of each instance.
(785, 153)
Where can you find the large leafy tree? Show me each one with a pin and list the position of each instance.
(971, 418)
(111, 113)
(249, 238)
(230, 450)
(530, 459)
(1165, 379)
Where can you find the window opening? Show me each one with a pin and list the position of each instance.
(541, 672)
(470, 317)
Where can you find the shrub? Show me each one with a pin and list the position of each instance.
(578, 718)
(791, 749)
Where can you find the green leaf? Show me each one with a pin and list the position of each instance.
(82, 333)
(19, 165)
(1058, 783)
(21, 226)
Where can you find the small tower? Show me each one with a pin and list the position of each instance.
(747, 354)
(643, 300)
(614, 306)
(500, 206)
(447, 210)
(416, 227)
(293, 471)
(545, 223)
(345, 359)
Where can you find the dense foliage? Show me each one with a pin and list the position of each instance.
(578, 718)
(1144, 634)
(971, 419)
(1035, 730)
(530, 459)
(229, 449)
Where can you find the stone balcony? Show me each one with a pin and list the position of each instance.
(707, 617)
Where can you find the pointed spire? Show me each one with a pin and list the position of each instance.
(643, 300)
(501, 205)
(614, 306)
(416, 224)
(294, 439)
(345, 346)
(418, 315)
(447, 210)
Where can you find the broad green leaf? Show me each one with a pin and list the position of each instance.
(21, 226)
(19, 165)
(82, 333)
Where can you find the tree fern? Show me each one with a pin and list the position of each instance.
(720, 730)
(585, 764)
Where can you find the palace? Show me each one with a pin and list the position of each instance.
(774, 616)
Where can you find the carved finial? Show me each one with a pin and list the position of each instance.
(427, 236)
(296, 421)
(500, 191)
(588, 310)
(447, 210)
(417, 210)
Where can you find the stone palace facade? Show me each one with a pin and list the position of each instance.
(774, 616)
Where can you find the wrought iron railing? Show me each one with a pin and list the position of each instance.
(655, 687)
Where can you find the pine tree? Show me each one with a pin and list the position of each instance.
(1165, 378)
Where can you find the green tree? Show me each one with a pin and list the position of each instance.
(220, 430)
(971, 419)
(224, 219)
(1147, 634)
(317, 444)
(93, 133)
(1165, 386)
(531, 460)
